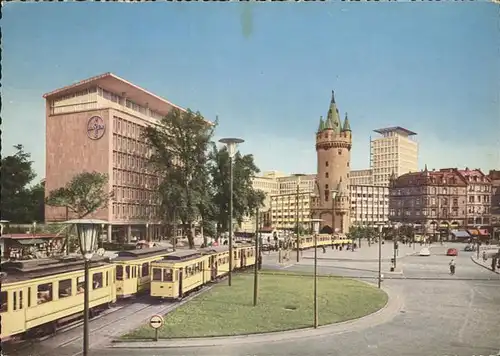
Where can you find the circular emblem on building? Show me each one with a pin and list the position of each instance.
(95, 128)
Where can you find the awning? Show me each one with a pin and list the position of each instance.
(473, 232)
(483, 232)
(30, 241)
(460, 233)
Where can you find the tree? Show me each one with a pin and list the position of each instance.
(37, 198)
(84, 194)
(16, 175)
(246, 199)
(180, 143)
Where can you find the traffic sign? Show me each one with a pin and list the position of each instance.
(156, 321)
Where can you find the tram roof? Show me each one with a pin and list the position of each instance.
(16, 271)
(181, 255)
(141, 253)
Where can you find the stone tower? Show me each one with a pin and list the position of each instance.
(333, 148)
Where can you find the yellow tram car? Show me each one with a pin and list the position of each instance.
(37, 296)
(132, 270)
(244, 256)
(307, 242)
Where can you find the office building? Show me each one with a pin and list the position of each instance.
(96, 125)
(395, 151)
(369, 205)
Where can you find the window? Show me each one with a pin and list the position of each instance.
(326, 175)
(167, 275)
(119, 273)
(107, 278)
(44, 293)
(3, 302)
(14, 300)
(29, 297)
(20, 299)
(80, 285)
(97, 280)
(65, 288)
(127, 272)
(145, 269)
(326, 163)
(156, 274)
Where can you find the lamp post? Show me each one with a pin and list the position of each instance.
(316, 223)
(334, 195)
(88, 231)
(380, 226)
(256, 265)
(395, 242)
(147, 232)
(231, 150)
(298, 175)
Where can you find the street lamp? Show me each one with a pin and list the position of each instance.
(298, 175)
(394, 243)
(316, 223)
(380, 227)
(231, 150)
(88, 231)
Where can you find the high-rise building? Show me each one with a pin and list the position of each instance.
(96, 125)
(395, 151)
(333, 150)
(369, 205)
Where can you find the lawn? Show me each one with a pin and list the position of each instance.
(229, 310)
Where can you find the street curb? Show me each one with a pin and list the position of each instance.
(480, 264)
(359, 260)
(389, 311)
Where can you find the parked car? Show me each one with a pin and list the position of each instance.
(452, 252)
(425, 252)
(470, 248)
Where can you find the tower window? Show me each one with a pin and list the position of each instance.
(326, 186)
(327, 194)
(347, 163)
(326, 163)
(326, 175)
(340, 151)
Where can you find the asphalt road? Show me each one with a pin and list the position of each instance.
(442, 315)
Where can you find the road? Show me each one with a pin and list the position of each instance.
(442, 315)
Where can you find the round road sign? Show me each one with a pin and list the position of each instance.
(156, 321)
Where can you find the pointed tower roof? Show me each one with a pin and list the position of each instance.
(346, 126)
(333, 119)
(321, 124)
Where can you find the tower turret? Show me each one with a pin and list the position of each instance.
(333, 148)
(321, 124)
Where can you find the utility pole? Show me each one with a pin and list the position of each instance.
(297, 220)
(380, 255)
(256, 265)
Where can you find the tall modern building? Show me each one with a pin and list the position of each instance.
(396, 151)
(333, 151)
(96, 125)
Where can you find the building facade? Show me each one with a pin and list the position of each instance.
(494, 177)
(432, 201)
(395, 151)
(369, 205)
(333, 150)
(478, 197)
(96, 125)
(361, 177)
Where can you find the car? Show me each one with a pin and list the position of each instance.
(425, 252)
(470, 248)
(452, 252)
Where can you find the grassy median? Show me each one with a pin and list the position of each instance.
(285, 302)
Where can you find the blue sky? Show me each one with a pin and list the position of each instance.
(268, 70)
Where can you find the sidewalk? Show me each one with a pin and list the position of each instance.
(483, 264)
(384, 315)
(364, 253)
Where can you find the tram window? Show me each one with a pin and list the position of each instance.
(44, 293)
(20, 299)
(156, 274)
(97, 280)
(145, 269)
(119, 273)
(14, 300)
(29, 297)
(167, 275)
(65, 288)
(3, 302)
(127, 272)
(80, 285)
(107, 278)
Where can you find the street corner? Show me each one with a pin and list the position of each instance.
(484, 265)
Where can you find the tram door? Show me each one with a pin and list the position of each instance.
(242, 258)
(213, 268)
(180, 282)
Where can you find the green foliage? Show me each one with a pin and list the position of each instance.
(20, 203)
(357, 232)
(180, 144)
(84, 194)
(246, 199)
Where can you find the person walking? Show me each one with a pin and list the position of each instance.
(452, 267)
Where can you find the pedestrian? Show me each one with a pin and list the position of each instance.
(452, 266)
(324, 249)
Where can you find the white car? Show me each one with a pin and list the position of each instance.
(424, 252)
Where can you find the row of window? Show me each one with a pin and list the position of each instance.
(45, 292)
(138, 148)
(128, 178)
(127, 272)
(130, 162)
(124, 211)
(129, 104)
(141, 195)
